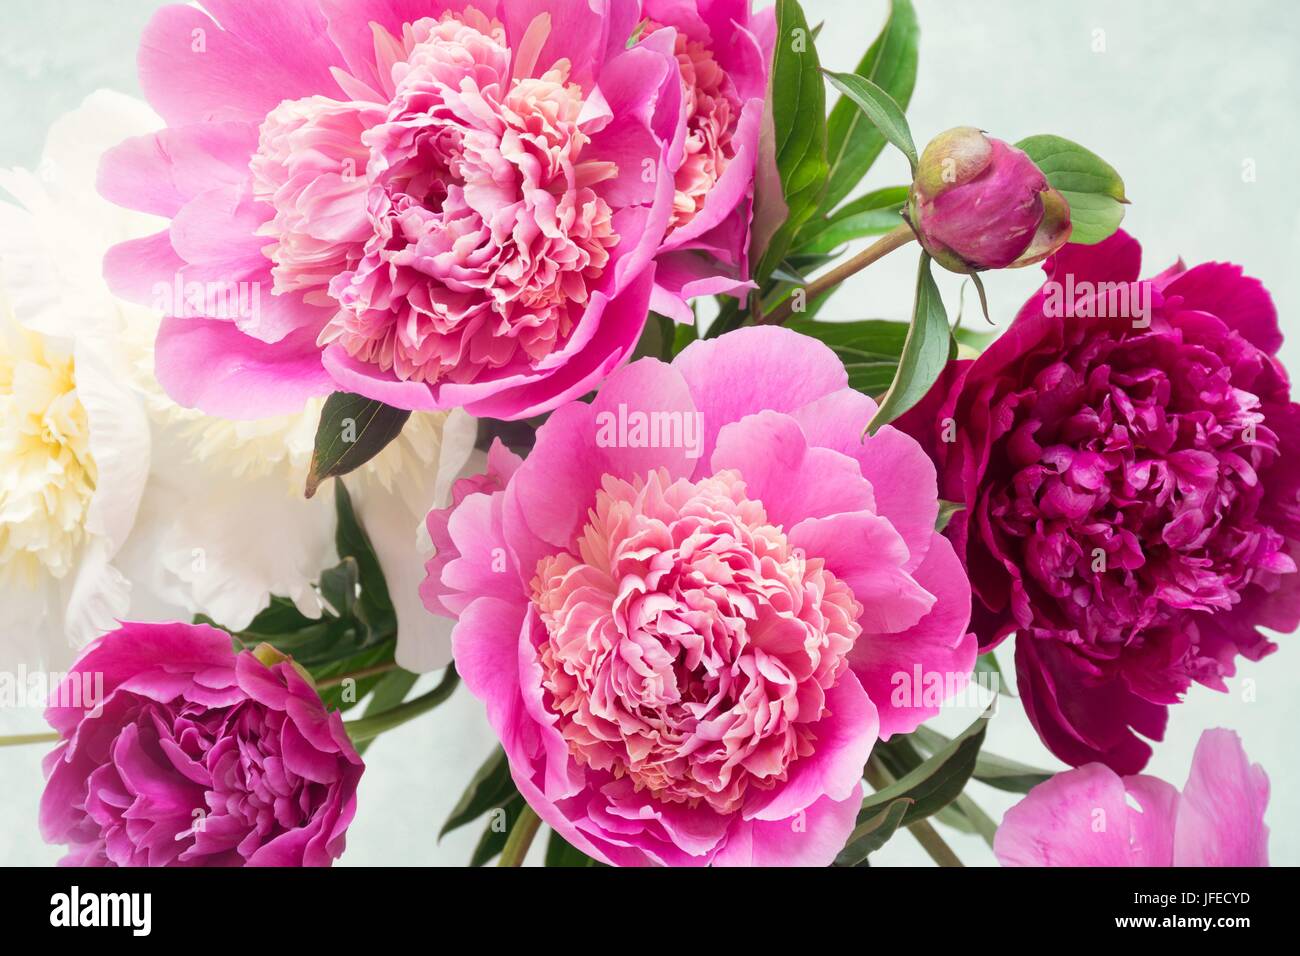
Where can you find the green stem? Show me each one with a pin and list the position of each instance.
(368, 727)
(17, 740)
(520, 838)
(895, 239)
(933, 844)
(357, 675)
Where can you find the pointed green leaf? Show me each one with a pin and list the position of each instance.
(490, 787)
(1089, 184)
(935, 783)
(879, 107)
(352, 430)
(925, 353)
(794, 141)
(873, 832)
(1000, 772)
(853, 144)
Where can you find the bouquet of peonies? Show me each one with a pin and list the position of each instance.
(494, 325)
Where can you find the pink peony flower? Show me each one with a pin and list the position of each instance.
(177, 751)
(979, 203)
(1126, 455)
(1093, 817)
(724, 52)
(430, 203)
(689, 610)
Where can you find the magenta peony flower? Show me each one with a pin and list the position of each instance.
(724, 52)
(1126, 455)
(690, 609)
(179, 752)
(1092, 817)
(979, 203)
(430, 203)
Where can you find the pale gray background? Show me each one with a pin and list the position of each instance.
(1184, 94)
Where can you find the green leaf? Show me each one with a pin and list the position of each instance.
(352, 430)
(339, 586)
(797, 100)
(351, 541)
(988, 664)
(869, 349)
(937, 781)
(389, 691)
(490, 787)
(879, 107)
(946, 510)
(874, 214)
(368, 726)
(494, 837)
(1089, 184)
(925, 353)
(999, 772)
(853, 144)
(559, 852)
(873, 832)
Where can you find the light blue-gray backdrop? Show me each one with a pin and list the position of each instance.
(1182, 96)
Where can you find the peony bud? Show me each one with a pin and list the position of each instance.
(979, 203)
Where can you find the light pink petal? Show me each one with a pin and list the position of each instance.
(1221, 814)
(901, 473)
(682, 276)
(792, 480)
(937, 644)
(210, 365)
(160, 172)
(812, 837)
(1082, 818)
(732, 376)
(865, 552)
(193, 71)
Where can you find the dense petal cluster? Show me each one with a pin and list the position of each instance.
(433, 204)
(690, 609)
(176, 751)
(688, 645)
(1093, 817)
(1124, 453)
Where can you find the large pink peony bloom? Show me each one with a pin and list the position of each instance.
(1126, 452)
(689, 609)
(1093, 817)
(177, 751)
(429, 202)
(724, 52)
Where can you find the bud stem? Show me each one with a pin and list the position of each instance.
(895, 239)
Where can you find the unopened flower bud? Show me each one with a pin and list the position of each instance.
(979, 203)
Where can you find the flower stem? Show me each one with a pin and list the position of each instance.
(361, 674)
(520, 838)
(894, 239)
(18, 740)
(369, 727)
(934, 844)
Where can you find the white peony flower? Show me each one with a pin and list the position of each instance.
(115, 502)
